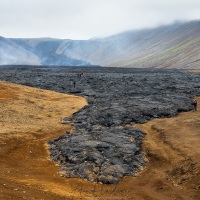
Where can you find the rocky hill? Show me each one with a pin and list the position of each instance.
(170, 46)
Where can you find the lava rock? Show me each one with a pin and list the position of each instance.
(102, 148)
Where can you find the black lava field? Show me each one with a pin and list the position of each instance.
(104, 147)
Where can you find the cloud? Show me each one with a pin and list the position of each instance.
(89, 18)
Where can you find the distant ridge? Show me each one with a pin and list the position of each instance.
(172, 46)
(46, 49)
(11, 53)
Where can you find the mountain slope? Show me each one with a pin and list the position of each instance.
(11, 53)
(46, 50)
(171, 46)
(175, 46)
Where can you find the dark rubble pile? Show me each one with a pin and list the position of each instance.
(102, 148)
(101, 154)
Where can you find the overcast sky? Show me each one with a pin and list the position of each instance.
(84, 19)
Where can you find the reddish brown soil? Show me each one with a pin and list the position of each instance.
(31, 117)
(193, 70)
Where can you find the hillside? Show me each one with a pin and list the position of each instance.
(175, 46)
(171, 46)
(47, 50)
(11, 53)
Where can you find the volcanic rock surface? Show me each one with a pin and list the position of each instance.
(102, 148)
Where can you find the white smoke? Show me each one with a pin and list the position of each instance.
(12, 54)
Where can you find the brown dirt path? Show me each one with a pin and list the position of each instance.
(172, 146)
(193, 70)
(30, 118)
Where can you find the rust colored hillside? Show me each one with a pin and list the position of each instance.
(31, 117)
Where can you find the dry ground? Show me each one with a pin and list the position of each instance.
(193, 70)
(31, 117)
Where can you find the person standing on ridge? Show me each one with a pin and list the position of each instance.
(194, 103)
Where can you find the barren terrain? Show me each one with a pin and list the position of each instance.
(30, 118)
(170, 46)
